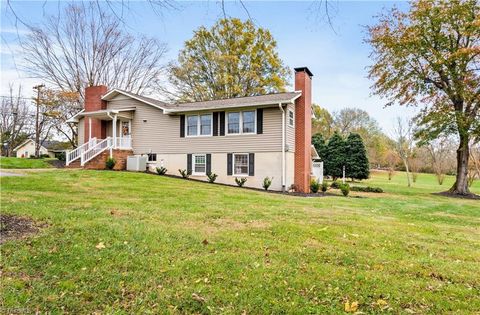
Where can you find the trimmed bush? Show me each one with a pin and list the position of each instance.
(267, 181)
(345, 188)
(185, 174)
(335, 185)
(324, 187)
(212, 177)
(240, 181)
(367, 189)
(161, 170)
(314, 186)
(110, 163)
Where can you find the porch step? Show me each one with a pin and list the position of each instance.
(98, 162)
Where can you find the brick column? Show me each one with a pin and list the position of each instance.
(303, 129)
(94, 102)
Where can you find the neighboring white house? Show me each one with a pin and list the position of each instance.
(27, 148)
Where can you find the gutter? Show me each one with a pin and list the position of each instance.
(283, 147)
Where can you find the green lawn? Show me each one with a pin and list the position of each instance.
(13, 162)
(176, 246)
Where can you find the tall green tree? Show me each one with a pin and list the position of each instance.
(319, 143)
(356, 160)
(232, 59)
(335, 156)
(430, 55)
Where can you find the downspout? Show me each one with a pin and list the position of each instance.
(283, 146)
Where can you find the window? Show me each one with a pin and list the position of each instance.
(233, 122)
(291, 118)
(248, 119)
(152, 157)
(199, 164)
(199, 125)
(206, 125)
(240, 164)
(192, 125)
(241, 122)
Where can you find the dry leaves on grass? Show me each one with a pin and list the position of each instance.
(198, 298)
(351, 307)
(100, 246)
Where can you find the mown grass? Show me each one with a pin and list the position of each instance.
(13, 162)
(176, 246)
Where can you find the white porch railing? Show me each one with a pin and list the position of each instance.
(101, 146)
(71, 156)
(124, 143)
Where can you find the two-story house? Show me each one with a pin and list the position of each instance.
(254, 137)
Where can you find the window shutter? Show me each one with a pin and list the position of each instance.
(189, 163)
(251, 164)
(259, 120)
(182, 126)
(209, 163)
(215, 123)
(222, 123)
(229, 164)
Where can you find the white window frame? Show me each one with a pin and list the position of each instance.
(240, 123)
(148, 158)
(233, 165)
(194, 163)
(199, 126)
(293, 118)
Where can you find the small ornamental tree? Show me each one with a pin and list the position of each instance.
(334, 156)
(356, 160)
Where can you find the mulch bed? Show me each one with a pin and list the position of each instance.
(57, 163)
(13, 227)
(451, 195)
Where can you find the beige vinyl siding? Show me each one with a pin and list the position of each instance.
(153, 131)
(81, 131)
(290, 131)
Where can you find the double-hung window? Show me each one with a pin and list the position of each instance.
(291, 118)
(199, 164)
(152, 157)
(240, 164)
(199, 125)
(241, 122)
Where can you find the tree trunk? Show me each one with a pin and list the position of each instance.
(460, 187)
(405, 162)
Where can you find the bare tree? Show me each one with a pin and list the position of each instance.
(474, 167)
(404, 143)
(392, 161)
(85, 46)
(15, 120)
(440, 151)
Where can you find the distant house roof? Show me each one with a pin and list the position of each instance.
(47, 144)
(18, 147)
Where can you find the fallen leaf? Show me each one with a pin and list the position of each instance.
(351, 307)
(205, 242)
(198, 298)
(100, 246)
(381, 302)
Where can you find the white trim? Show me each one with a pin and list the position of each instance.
(233, 165)
(199, 125)
(194, 163)
(108, 95)
(240, 122)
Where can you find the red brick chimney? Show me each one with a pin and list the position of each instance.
(94, 102)
(303, 129)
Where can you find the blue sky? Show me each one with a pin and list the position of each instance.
(338, 58)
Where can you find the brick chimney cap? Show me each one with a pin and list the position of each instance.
(304, 69)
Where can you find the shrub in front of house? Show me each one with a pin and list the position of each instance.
(324, 187)
(267, 182)
(314, 186)
(240, 181)
(110, 163)
(184, 173)
(367, 189)
(335, 185)
(161, 170)
(212, 177)
(345, 188)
